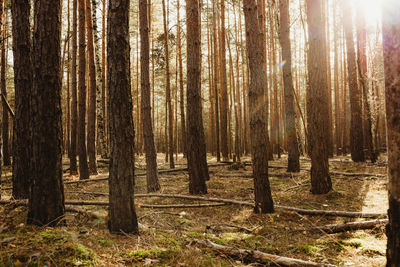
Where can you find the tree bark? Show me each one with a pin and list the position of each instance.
(391, 53)
(74, 90)
(122, 215)
(150, 149)
(258, 120)
(3, 84)
(83, 165)
(23, 79)
(317, 108)
(196, 147)
(46, 198)
(91, 129)
(290, 122)
(216, 90)
(356, 122)
(182, 96)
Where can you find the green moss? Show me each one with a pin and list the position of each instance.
(106, 243)
(83, 253)
(309, 249)
(48, 235)
(372, 253)
(164, 254)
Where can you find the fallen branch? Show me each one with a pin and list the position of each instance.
(249, 175)
(258, 256)
(351, 226)
(240, 228)
(334, 213)
(358, 174)
(87, 193)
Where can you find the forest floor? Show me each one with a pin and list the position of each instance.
(168, 236)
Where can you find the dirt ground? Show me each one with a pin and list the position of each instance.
(168, 236)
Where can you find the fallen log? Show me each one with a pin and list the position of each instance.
(351, 226)
(278, 207)
(105, 203)
(258, 256)
(310, 212)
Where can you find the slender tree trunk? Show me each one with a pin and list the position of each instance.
(356, 123)
(23, 75)
(46, 198)
(317, 108)
(224, 88)
(68, 106)
(150, 150)
(74, 92)
(91, 131)
(3, 84)
(104, 84)
(83, 165)
(122, 215)
(196, 146)
(290, 121)
(168, 91)
(391, 53)
(101, 138)
(216, 90)
(257, 110)
(182, 96)
(336, 87)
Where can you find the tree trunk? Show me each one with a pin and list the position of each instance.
(363, 72)
(356, 123)
(150, 149)
(91, 131)
(101, 138)
(391, 53)
(3, 84)
(290, 120)
(83, 165)
(168, 91)
(23, 75)
(216, 90)
(122, 215)
(317, 108)
(104, 84)
(224, 88)
(196, 146)
(74, 90)
(182, 96)
(46, 198)
(257, 110)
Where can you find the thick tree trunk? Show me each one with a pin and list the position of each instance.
(196, 146)
(391, 53)
(46, 198)
(363, 72)
(3, 85)
(290, 122)
(122, 215)
(317, 108)
(74, 90)
(168, 91)
(258, 120)
(23, 75)
(83, 165)
(150, 149)
(356, 123)
(91, 129)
